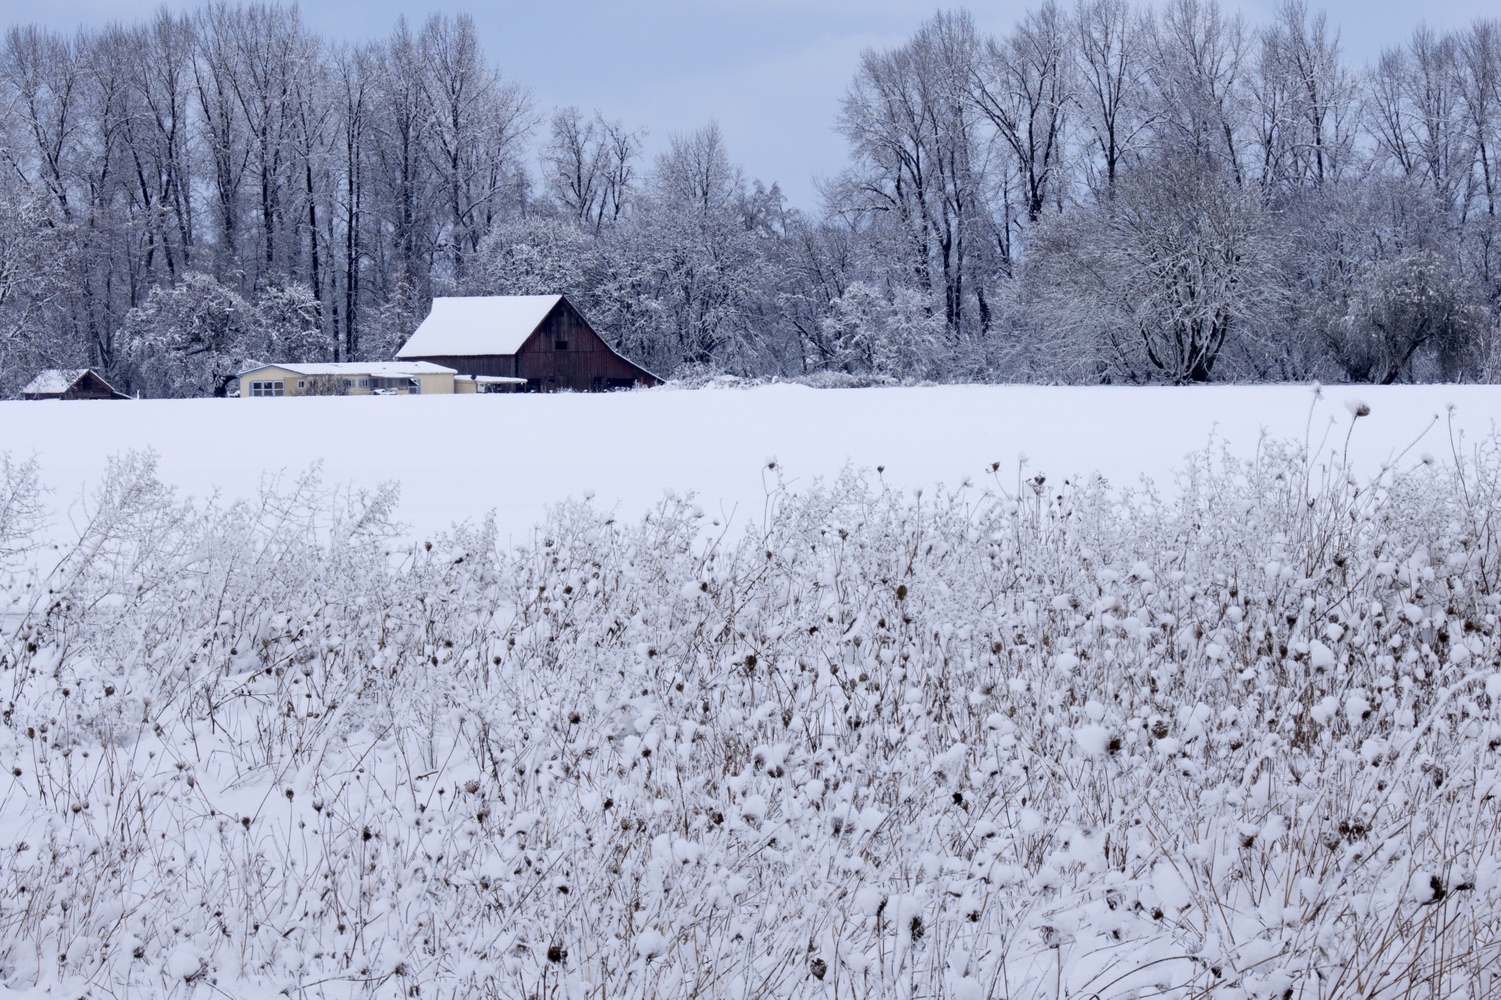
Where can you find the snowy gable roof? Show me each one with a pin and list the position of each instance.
(374, 369)
(54, 381)
(478, 325)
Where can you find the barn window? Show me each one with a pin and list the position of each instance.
(277, 388)
(560, 345)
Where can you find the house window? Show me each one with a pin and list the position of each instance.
(276, 388)
(349, 383)
(414, 387)
(301, 385)
(364, 383)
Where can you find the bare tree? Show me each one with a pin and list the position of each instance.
(44, 73)
(589, 166)
(1306, 101)
(1023, 87)
(118, 244)
(159, 137)
(625, 148)
(910, 118)
(311, 142)
(1111, 81)
(273, 55)
(1415, 114)
(696, 175)
(224, 141)
(1198, 69)
(1479, 75)
(353, 84)
(478, 124)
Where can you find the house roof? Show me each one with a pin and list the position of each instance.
(373, 369)
(55, 381)
(478, 325)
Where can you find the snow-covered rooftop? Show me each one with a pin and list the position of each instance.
(374, 369)
(53, 381)
(478, 324)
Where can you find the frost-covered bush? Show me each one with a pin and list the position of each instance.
(195, 337)
(1239, 739)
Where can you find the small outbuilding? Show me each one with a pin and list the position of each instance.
(70, 383)
(487, 383)
(541, 340)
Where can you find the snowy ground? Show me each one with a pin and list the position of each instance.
(458, 457)
(1237, 739)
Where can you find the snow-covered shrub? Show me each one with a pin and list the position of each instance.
(193, 338)
(882, 335)
(189, 339)
(1238, 739)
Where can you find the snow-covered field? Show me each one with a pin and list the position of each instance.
(1239, 736)
(459, 457)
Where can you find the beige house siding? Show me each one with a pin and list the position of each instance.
(431, 384)
(295, 384)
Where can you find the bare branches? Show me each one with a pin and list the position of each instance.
(237, 144)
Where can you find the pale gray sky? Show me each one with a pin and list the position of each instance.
(770, 71)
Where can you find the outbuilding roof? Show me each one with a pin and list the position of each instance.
(54, 381)
(478, 325)
(374, 369)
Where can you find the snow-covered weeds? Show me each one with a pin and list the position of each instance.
(1242, 739)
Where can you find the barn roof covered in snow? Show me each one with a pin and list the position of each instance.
(478, 325)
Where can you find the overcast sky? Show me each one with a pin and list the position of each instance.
(770, 71)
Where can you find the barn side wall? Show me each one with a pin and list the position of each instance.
(586, 364)
(90, 386)
(484, 364)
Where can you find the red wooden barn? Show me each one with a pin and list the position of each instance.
(540, 338)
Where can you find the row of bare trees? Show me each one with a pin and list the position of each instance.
(234, 142)
(1150, 176)
(1106, 192)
